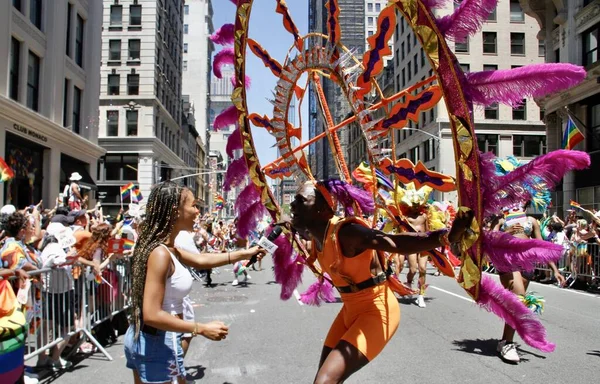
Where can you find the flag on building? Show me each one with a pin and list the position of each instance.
(6, 172)
(136, 195)
(572, 135)
(126, 190)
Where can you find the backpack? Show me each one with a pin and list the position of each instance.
(66, 194)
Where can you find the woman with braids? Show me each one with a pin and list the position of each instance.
(351, 253)
(160, 282)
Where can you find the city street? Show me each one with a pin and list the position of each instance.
(452, 340)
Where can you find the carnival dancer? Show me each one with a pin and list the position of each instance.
(347, 250)
(160, 282)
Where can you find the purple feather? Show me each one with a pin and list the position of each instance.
(228, 116)
(223, 57)
(507, 305)
(247, 84)
(236, 173)
(223, 35)
(249, 219)
(347, 194)
(431, 4)
(466, 20)
(511, 86)
(543, 171)
(246, 198)
(509, 253)
(319, 291)
(234, 142)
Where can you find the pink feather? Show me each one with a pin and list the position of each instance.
(431, 4)
(236, 173)
(545, 171)
(234, 142)
(509, 253)
(505, 304)
(319, 291)
(223, 57)
(288, 267)
(223, 35)
(511, 86)
(466, 20)
(228, 116)
(247, 84)
(249, 219)
(246, 198)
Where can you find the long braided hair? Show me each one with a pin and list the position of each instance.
(161, 214)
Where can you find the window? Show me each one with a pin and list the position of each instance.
(114, 50)
(370, 33)
(113, 84)
(488, 143)
(377, 7)
(416, 64)
(529, 145)
(135, 15)
(402, 50)
(186, 9)
(116, 15)
(79, 41)
(112, 123)
(15, 62)
(429, 150)
(465, 68)
(35, 13)
(542, 48)
(76, 123)
(185, 29)
(185, 65)
(121, 167)
(408, 45)
(414, 154)
(557, 55)
(489, 42)
(134, 49)
(185, 47)
(490, 67)
(33, 82)
(422, 58)
(492, 15)
(17, 4)
(517, 43)
(590, 45)
(520, 112)
(491, 112)
(132, 123)
(66, 103)
(403, 77)
(462, 47)
(69, 11)
(516, 12)
(369, 21)
(133, 84)
(370, 7)
(594, 126)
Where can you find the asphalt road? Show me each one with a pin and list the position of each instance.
(450, 341)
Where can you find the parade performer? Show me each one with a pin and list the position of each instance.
(318, 57)
(153, 346)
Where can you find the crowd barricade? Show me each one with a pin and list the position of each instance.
(578, 261)
(61, 306)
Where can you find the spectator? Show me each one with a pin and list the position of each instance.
(72, 192)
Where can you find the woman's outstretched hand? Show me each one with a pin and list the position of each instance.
(215, 330)
(461, 223)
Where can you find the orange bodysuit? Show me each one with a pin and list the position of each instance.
(370, 317)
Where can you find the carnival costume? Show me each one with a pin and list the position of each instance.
(480, 190)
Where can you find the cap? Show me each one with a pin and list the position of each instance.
(76, 213)
(62, 219)
(8, 209)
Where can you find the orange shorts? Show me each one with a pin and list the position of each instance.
(368, 320)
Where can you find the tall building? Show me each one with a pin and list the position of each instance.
(372, 10)
(49, 96)
(571, 30)
(352, 24)
(140, 96)
(508, 39)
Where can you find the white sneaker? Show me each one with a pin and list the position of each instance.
(235, 282)
(508, 351)
(248, 277)
(30, 380)
(421, 301)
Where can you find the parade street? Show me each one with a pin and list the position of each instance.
(450, 341)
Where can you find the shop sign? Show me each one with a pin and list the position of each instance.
(30, 132)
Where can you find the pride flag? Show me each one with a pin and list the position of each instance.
(219, 202)
(6, 172)
(128, 244)
(125, 190)
(574, 204)
(572, 135)
(137, 195)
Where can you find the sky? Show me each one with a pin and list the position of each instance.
(266, 27)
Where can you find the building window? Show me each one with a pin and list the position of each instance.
(377, 7)
(520, 112)
(490, 67)
(186, 9)
(114, 50)
(462, 47)
(370, 21)
(66, 103)
(403, 77)
(517, 44)
(134, 49)
(133, 84)
(17, 4)
(185, 65)
(529, 145)
(414, 154)
(422, 58)
(33, 82)
(492, 15)
(402, 50)
(121, 167)
(69, 11)
(429, 150)
(112, 123)
(185, 29)
(76, 110)
(488, 143)
(132, 123)
(491, 112)
(79, 41)
(516, 12)
(542, 48)
(135, 15)
(113, 84)
(15, 62)
(369, 7)
(489, 42)
(416, 64)
(594, 126)
(465, 68)
(35, 13)
(185, 47)
(590, 45)
(116, 15)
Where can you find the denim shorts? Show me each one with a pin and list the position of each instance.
(156, 358)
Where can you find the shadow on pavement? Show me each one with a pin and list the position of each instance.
(195, 372)
(478, 347)
(594, 353)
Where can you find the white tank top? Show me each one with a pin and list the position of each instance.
(177, 287)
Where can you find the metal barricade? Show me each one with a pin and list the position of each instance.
(578, 261)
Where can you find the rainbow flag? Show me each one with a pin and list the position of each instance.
(574, 204)
(98, 279)
(125, 190)
(137, 195)
(219, 202)
(572, 135)
(6, 172)
(128, 244)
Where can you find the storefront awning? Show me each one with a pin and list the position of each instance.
(86, 182)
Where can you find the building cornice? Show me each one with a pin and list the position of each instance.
(588, 16)
(141, 145)
(585, 89)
